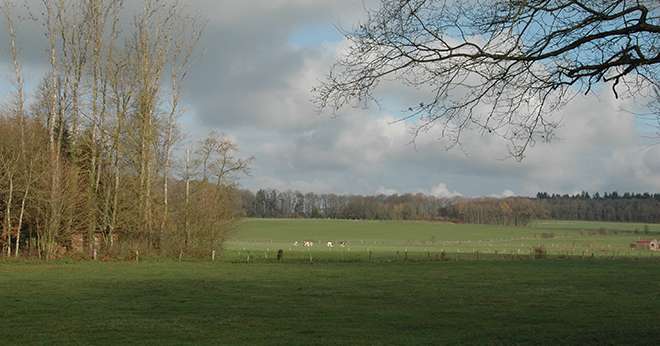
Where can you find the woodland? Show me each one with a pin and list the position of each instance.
(87, 160)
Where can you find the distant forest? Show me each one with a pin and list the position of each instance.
(609, 206)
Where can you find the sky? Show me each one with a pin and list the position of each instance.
(252, 81)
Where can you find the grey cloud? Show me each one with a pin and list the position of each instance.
(255, 84)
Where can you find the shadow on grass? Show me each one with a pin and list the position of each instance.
(506, 302)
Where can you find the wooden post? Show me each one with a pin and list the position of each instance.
(213, 255)
(180, 255)
(137, 256)
(94, 254)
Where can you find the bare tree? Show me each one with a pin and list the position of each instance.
(226, 165)
(19, 111)
(502, 67)
(54, 216)
(183, 44)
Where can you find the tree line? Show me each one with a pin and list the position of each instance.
(294, 204)
(517, 211)
(86, 157)
(612, 206)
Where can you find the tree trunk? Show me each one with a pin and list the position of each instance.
(8, 212)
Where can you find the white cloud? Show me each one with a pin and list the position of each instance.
(441, 190)
(503, 194)
(386, 191)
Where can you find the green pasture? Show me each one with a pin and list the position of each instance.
(263, 237)
(359, 303)
(396, 283)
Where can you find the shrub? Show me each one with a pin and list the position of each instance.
(539, 252)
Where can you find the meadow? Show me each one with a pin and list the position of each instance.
(343, 297)
(391, 240)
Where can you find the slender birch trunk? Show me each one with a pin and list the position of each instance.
(22, 212)
(20, 113)
(54, 198)
(187, 200)
(8, 211)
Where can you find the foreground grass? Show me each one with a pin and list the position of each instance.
(495, 302)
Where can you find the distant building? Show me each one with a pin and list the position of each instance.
(652, 245)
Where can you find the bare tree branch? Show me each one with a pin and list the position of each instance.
(503, 67)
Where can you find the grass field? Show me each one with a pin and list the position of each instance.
(262, 237)
(482, 302)
(403, 295)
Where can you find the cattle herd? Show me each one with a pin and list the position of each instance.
(330, 243)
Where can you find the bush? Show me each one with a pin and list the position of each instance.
(539, 252)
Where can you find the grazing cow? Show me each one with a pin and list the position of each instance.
(308, 243)
(331, 244)
(343, 243)
(295, 243)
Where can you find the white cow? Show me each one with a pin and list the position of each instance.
(308, 243)
(331, 244)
